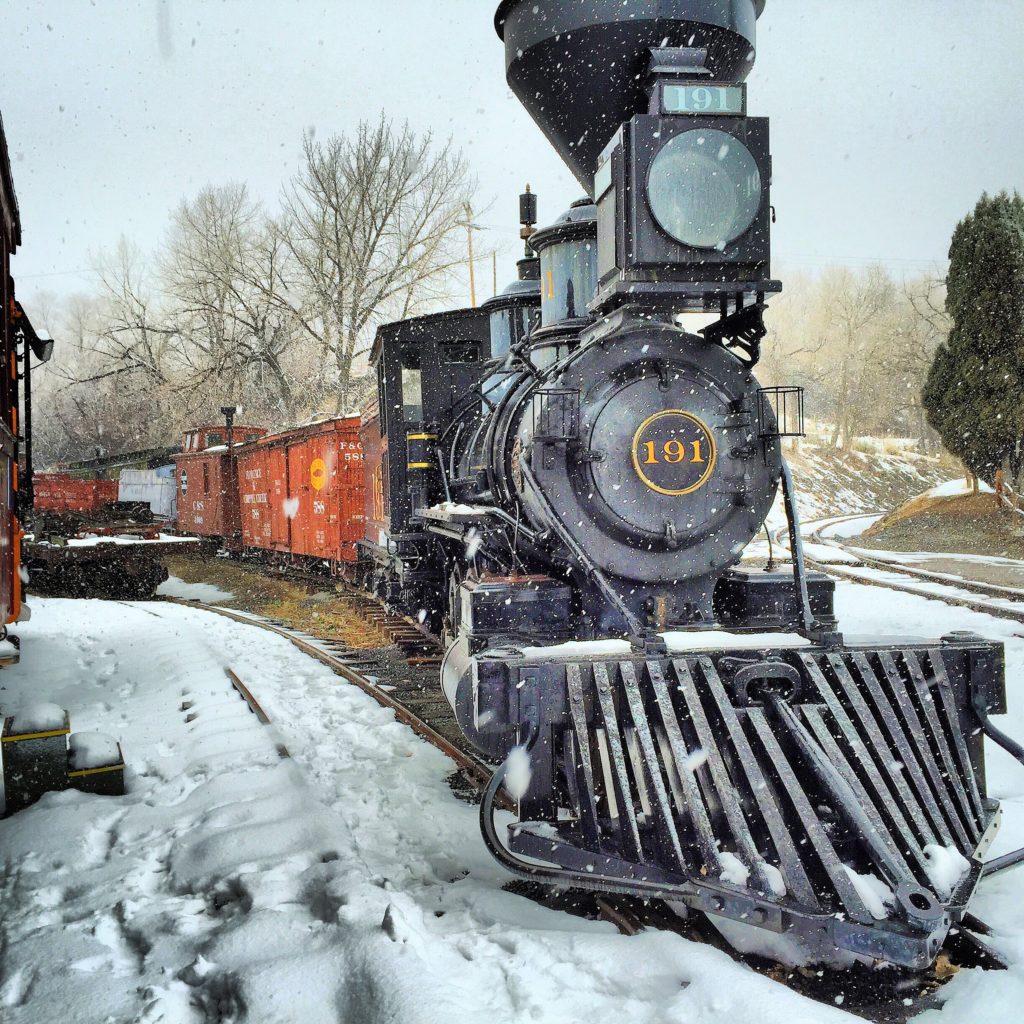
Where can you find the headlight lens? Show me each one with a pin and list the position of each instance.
(704, 188)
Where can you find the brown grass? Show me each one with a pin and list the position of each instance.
(334, 612)
(968, 524)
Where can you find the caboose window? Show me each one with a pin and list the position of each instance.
(206, 478)
(213, 438)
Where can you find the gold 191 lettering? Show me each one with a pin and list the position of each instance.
(672, 451)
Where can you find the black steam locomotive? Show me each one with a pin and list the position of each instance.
(571, 481)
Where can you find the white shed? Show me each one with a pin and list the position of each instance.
(153, 486)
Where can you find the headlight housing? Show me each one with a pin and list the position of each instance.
(704, 188)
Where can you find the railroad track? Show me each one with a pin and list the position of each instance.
(859, 567)
(402, 678)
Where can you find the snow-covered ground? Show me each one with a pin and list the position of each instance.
(343, 882)
(175, 587)
(845, 528)
(954, 488)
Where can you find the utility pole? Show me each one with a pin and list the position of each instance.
(469, 237)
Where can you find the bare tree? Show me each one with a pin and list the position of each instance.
(270, 313)
(373, 225)
(132, 340)
(222, 269)
(918, 325)
(857, 305)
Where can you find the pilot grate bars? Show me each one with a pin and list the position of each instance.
(795, 792)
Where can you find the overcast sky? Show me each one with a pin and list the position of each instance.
(889, 117)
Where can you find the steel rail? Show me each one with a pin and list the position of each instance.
(974, 586)
(849, 572)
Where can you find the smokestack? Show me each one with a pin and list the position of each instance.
(580, 69)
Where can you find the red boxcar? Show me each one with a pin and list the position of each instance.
(301, 491)
(263, 487)
(58, 492)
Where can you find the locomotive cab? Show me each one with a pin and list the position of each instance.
(424, 367)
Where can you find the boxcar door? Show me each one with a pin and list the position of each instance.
(352, 490)
(254, 498)
(280, 523)
(323, 481)
(299, 497)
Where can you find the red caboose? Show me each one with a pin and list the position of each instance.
(301, 491)
(206, 481)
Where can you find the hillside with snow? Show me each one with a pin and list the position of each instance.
(831, 481)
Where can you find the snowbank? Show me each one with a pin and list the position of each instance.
(207, 592)
(952, 488)
(92, 750)
(39, 716)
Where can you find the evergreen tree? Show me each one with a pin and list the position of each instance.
(974, 394)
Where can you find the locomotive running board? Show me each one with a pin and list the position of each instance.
(835, 795)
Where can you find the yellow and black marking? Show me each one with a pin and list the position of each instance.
(419, 450)
(18, 737)
(674, 452)
(81, 773)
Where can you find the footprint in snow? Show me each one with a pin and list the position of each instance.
(16, 989)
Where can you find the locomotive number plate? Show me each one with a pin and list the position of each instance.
(674, 452)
